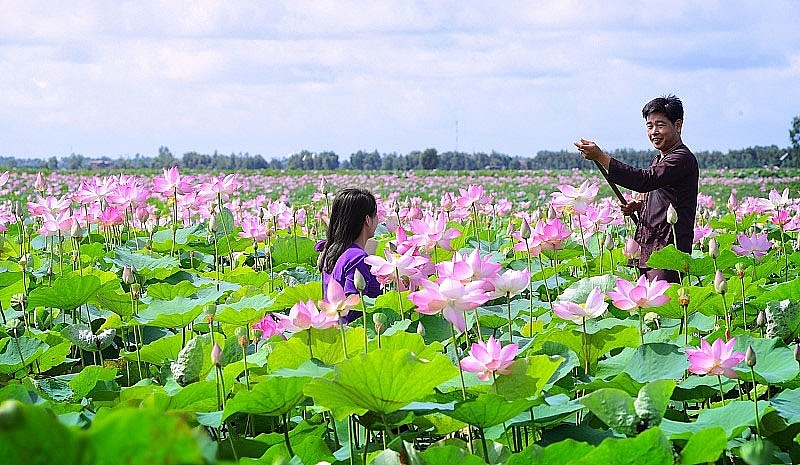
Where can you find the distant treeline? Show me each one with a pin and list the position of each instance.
(752, 157)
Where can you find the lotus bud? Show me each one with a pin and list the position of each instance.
(609, 242)
(672, 215)
(510, 228)
(720, 284)
(797, 352)
(713, 248)
(740, 268)
(142, 214)
(750, 357)
(18, 210)
(761, 319)
(359, 281)
(727, 334)
(379, 320)
(631, 251)
(39, 184)
(242, 337)
(212, 224)
(733, 202)
(23, 261)
(76, 231)
(323, 185)
(216, 354)
(525, 229)
(683, 297)
(420, 329)
(128, 274)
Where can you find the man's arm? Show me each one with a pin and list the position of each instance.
(591, 151)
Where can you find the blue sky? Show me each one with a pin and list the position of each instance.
(117, 78)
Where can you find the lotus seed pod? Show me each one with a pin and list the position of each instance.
(379, 320)
(750, 356)
(359, 281)
(740, 269)
(713, 248)
(510, 228)
(242, 337)
(720, 284)
(212, 224)
(683, 297)
(525, 229)
(672, 215)
(136, 291)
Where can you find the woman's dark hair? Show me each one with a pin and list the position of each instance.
(349, 211)
(668, 105)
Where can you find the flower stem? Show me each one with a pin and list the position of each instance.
(755, 401)
(586, 345)
(458, 363)
(344, 341)
(508, 307)
(721, 392)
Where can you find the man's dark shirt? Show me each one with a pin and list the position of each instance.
(670, 179)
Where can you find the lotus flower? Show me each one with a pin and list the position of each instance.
(595, 306)
(487, 358)
(756, 245)
(643, 294)
(304, 315)
(715, 359)
(451, 297)
(336, 303)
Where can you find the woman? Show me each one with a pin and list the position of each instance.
(353, 219)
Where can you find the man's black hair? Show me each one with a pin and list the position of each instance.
(668, 105)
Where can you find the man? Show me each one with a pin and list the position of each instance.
(671, 179)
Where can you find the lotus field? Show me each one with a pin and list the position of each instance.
(178, 318)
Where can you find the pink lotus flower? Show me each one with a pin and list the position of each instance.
(395, 267)
(595, 306)
(253, 229)
(471, 267)
(473, 195)
(171, 183)
(510, 283)
(577, 198)
(756, 245)
(643, 294)
(336, 304)
(487, 358)
(268, 327)
(715, 359)
(432, 232)
(111, 216)
(631, 251)
(550, 234)
(451, 297)
(304, 315)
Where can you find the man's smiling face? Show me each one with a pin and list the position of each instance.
(661, 132)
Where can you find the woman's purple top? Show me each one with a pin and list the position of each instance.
(352, 259)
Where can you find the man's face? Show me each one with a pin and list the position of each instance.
(661, 132)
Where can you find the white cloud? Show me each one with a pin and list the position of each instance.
(110, 78)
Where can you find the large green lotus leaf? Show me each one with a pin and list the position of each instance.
(657, 361)
(411, 341)
(159, 351)
(600, 343)
(146, 265)
(10, 350)
(775, 361)
(167, 291)
(528, 376)
(284, 254)
(176, 313)
(670, 258)
(308, 369)
(621, 381)
(618, 410)
(578, 291)
(650, 447)
(66, 293)
(449, 454)
(132, 433)
(307, 449)
(326, 345)
(734, 418)
(488, 410)
(787, 403)
(392, 300)
(705, 446)
(54, 356)
(33, 435)
(246, 311)
(291, 295)
(162, 239)
(560, 452)
(87, 379)
(698, 296)
(114, 301)
(8, 278)
(700, 388)
(381, 381)
(273, 396)
(196, 397)
(244, 275)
